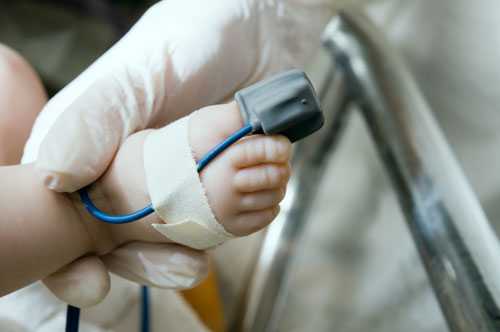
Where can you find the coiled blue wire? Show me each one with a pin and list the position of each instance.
(73, 313)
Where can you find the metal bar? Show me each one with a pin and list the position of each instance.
(457, 245)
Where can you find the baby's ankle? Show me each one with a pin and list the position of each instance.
(122, 190)
(97, 232)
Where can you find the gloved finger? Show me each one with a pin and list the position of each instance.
(158, 73)
(81, 143)
(83, 283)
(168, 266)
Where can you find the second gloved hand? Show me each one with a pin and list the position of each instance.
(181, 55)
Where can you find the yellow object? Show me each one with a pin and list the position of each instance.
(206, 302)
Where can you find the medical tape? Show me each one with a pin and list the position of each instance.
(177, 194)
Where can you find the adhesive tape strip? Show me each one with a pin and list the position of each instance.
(176, 191)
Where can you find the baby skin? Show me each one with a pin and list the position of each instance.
(244, 187)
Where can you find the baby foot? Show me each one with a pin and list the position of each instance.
(246, 183)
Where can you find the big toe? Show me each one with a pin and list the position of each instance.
(211, 125)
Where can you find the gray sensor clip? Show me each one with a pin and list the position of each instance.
(285, 104)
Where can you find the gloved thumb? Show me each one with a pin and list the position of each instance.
(79, 130)
(81, 143)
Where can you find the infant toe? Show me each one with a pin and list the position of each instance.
(262, 177)
(261, 200)
(255, 150)
(251, 222)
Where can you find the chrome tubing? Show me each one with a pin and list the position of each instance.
(457, 245)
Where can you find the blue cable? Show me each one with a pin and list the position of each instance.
(73, 313)
(121, 219)
(210, 155)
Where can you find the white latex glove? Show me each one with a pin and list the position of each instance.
(182, 55)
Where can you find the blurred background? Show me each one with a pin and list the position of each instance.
(357, 267)
(61, 38)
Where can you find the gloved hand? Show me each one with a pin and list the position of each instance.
(181, 55)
